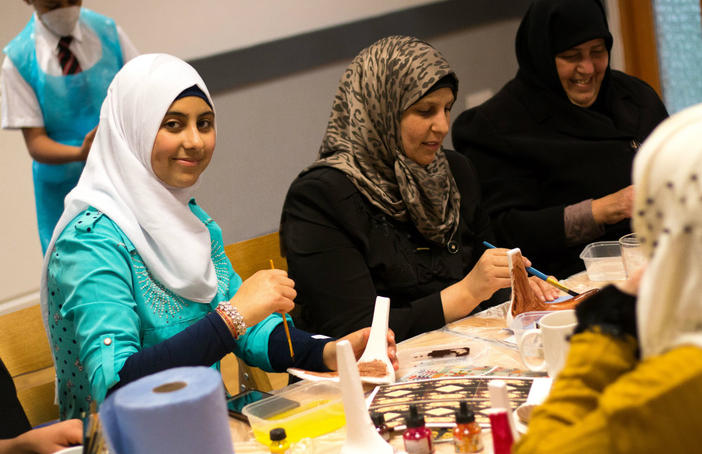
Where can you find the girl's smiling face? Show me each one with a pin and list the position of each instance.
(184, 143)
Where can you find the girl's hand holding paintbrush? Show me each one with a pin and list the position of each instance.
(265, 292)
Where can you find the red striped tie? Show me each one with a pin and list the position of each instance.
(69, 63)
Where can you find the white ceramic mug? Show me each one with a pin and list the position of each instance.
(553, 332)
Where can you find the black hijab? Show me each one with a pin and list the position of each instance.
(553, 26)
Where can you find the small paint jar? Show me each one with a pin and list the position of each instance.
(467, 434)
(380, 426)
(417, 437)
(279, 442)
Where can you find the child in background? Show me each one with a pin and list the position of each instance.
(54, 79)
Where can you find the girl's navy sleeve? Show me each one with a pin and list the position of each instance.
(209, 340)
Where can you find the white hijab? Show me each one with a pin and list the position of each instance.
(668, 218)
(119, 181)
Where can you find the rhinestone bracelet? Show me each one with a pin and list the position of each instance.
(227, 321)
(236, 320)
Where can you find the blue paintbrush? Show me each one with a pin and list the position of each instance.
(540, 275)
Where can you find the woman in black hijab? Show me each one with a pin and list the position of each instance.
(554, 147)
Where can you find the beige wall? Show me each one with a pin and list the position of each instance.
(19, 240)
(192, 29)
(273, 130)
(267, 132)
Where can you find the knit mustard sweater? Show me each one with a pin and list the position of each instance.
(605, 401)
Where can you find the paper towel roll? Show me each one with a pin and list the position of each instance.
(180, 410)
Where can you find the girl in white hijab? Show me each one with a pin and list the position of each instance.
(633, 379)
(135, 279)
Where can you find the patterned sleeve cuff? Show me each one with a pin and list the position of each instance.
(580, 225)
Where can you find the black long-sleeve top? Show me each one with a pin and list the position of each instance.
(13, 420)
(535, 154)
(342, 252)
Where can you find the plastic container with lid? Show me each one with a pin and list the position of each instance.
(524, 321)
(305, 409)
(603, 261)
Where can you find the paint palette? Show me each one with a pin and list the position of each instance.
(435, 361)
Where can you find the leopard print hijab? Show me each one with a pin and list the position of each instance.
(363, 136)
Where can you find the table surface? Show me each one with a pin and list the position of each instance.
(487, 327)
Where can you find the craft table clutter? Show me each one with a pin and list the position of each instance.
(438, 370)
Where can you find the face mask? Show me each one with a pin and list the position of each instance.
(61, 21)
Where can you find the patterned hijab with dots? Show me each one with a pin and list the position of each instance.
(668, 220)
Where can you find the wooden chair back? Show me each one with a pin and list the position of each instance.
(24, 348)
(247, 257)
(252, 255)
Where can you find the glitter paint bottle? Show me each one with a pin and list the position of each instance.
(279, 443)
(379, 423)
(417, 437)
(466, 435)
(501, 432)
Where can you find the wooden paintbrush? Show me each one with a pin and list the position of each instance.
(93, 440)
(285, 323)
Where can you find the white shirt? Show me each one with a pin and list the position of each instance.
(20, 107)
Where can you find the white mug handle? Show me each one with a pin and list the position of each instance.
(539, 367)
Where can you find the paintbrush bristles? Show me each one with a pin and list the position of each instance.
(93, 440)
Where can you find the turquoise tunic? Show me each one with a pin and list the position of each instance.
(104, 306)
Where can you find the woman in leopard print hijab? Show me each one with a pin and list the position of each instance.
(385, 210)
(363, 137)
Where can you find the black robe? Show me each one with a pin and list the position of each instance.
(13, 421)
(342, 251)
(536, 152)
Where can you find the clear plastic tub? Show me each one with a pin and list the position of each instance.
(525, 321)
(305, 409)
(603, 261)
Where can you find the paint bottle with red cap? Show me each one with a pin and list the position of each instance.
(417, 437)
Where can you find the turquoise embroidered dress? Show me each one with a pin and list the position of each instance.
(104, 306)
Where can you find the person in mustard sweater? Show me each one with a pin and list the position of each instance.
(632, 382)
